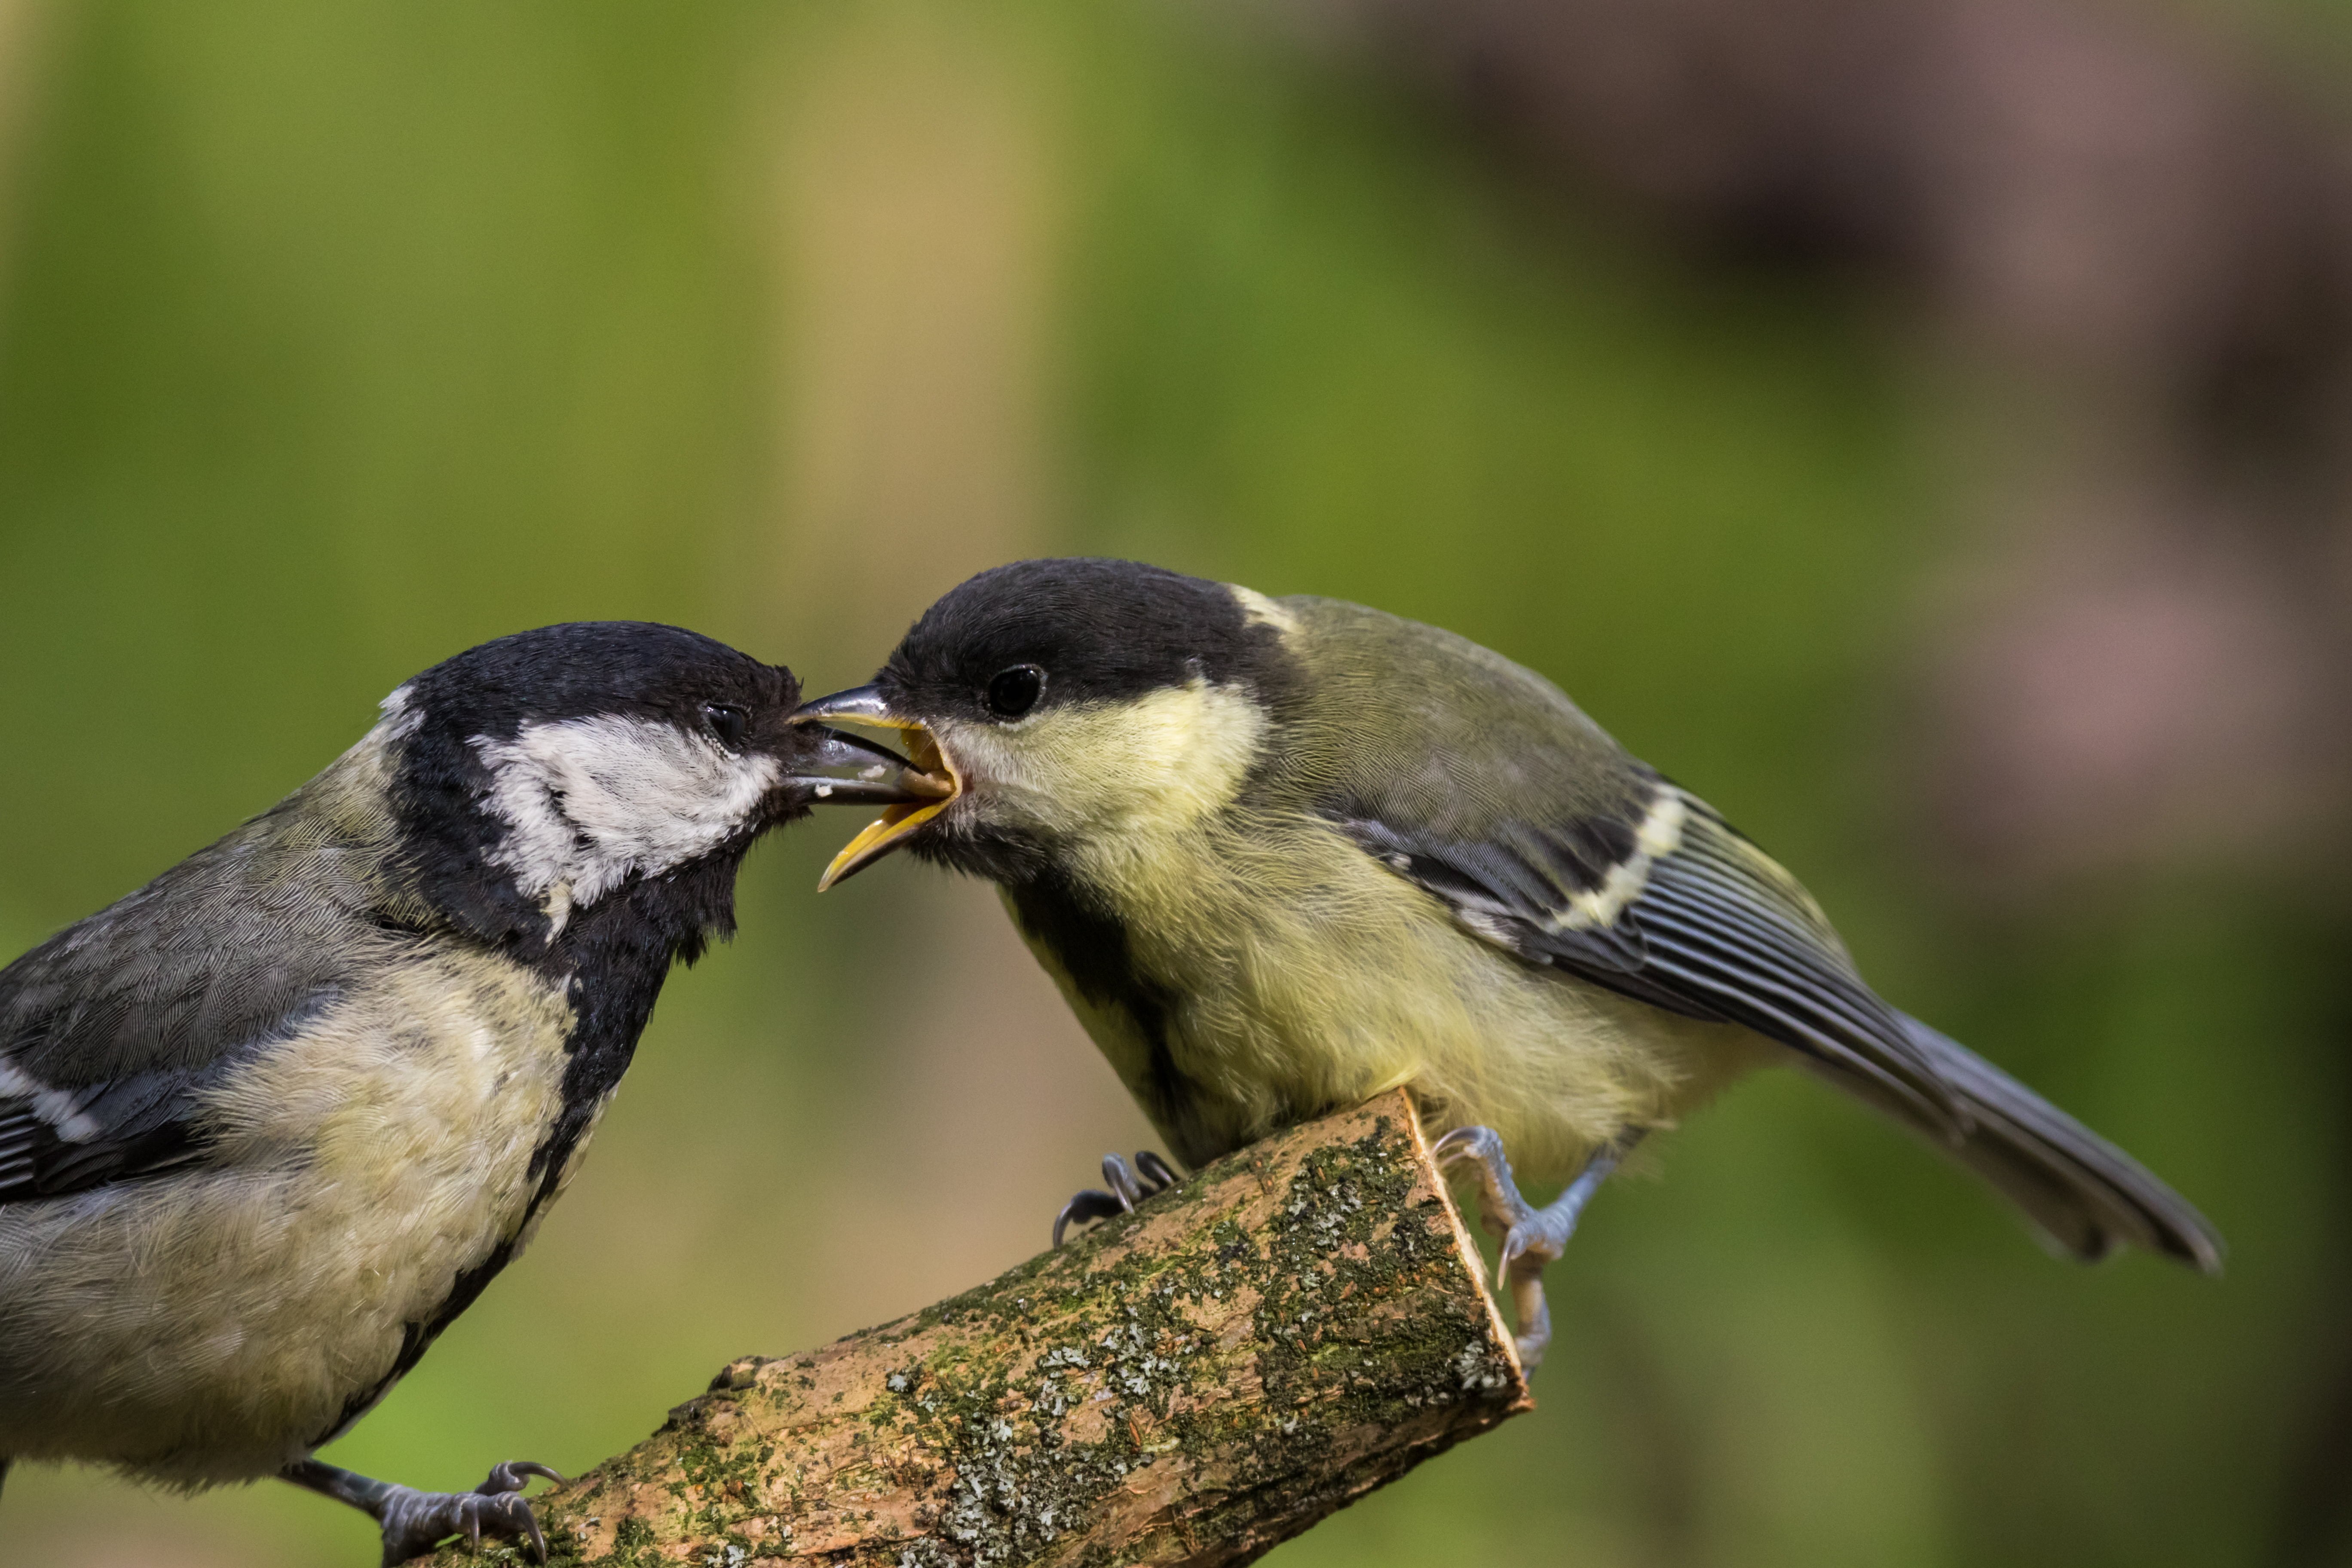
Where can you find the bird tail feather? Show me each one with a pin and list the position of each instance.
(2084, 1194)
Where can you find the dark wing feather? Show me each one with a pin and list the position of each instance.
(1712, 929)
(110, 1031)
(1689, 917)
(51, 1145)
(2087, 1196)
(1482, 784)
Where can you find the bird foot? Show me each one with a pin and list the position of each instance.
(1151, 1177)
(1531, 1236)
(1527, 1243)
(414, 1522)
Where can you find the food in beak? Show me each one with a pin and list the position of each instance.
(863, 705)
(837, 769)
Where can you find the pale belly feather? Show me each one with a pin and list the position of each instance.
(1301, 976)
(212, 1326)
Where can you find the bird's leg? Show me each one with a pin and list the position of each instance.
(1505, 1211)
(413, 1522)
(1531, 1236)
(1151, 1177)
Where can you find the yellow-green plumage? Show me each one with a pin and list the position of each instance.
(1307, 975)
(1281, 855)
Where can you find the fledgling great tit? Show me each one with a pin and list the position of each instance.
(1282, 854)
(268, 1125)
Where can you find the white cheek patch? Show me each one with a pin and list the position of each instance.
(590, 801)
(1141, 769)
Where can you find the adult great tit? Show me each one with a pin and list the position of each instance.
(268, 1125)
(1282, 854)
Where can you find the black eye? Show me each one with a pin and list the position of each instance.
(727, 722)
(1012, 692)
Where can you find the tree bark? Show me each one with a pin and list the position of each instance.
(1303, 1322)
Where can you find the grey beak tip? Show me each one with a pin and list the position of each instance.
(852, 704)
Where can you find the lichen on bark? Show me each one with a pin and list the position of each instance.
(1190, 1383)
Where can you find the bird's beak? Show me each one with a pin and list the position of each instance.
(834, 769)
(865, 705)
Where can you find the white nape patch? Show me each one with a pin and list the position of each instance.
(1661, 833)
(61, 1108)
(401, 715)
(1259, 610)
(591, 802)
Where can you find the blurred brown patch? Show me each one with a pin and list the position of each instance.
(2130, 240)
(916, 239)
(106, 1524)
(986, 1107)
(27, 30)
(2114, 693)
(916, 224)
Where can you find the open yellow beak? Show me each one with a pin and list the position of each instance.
(863, 705)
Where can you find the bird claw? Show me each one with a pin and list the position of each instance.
(1150, 1177)
(1532, 1238)
(1508, 1215)
(414, 1522)
(1498, 1194)
(1089, 1205)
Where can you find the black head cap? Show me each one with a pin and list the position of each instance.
(449, 722)
(1090, 629)
(584, 669)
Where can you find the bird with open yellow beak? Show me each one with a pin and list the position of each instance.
(1283, 855)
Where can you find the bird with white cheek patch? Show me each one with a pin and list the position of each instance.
(268, 1125)
(1283, 855)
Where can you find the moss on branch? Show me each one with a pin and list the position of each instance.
(1190, 1384)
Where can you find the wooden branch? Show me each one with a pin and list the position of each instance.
(1190, 1383)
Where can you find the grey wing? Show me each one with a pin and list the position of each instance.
(1657, 898)
(56, 1141)
(112, 1030)
(1661, 900)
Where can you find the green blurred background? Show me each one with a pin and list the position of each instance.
(334, 339)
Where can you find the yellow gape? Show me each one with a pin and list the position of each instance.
(1281, 855)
